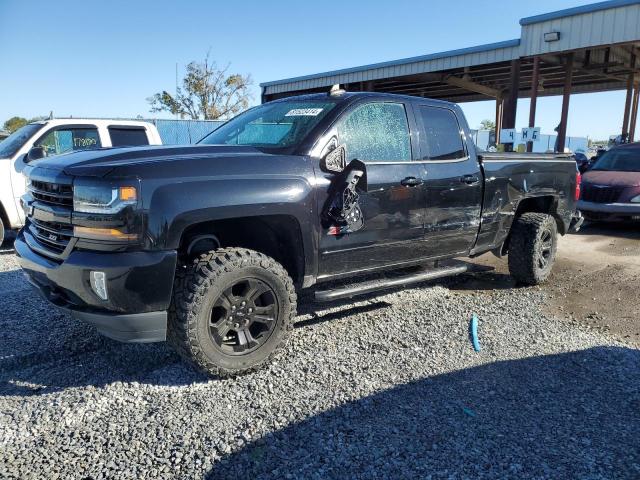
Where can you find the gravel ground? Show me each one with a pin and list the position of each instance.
(387, 387)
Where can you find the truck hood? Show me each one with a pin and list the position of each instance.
(614, 179)
(101, 162)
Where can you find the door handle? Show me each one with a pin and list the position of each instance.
(411, 181)
(470, 179)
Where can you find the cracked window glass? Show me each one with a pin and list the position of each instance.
(376, 132)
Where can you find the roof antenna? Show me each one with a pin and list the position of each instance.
(336, 90)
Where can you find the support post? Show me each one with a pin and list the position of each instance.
(511, 101)
(498, 122)
(534, 98)
(634, 113)
(566, 96)
(627, 101)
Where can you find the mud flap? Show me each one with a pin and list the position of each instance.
(342, 213)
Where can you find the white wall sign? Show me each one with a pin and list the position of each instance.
(507, 135)
(530, 134)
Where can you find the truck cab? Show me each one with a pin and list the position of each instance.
(56, 137)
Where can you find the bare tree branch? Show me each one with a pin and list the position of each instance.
(207, 92)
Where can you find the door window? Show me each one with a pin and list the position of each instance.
(376, 132)
(62, 140)
(128, 137)
(443, 136)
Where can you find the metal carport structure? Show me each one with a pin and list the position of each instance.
(591, 48)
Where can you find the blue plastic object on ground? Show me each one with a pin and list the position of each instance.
(473, 332)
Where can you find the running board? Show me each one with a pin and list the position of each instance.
(349, 291)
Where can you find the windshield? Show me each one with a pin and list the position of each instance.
(17, 139)
(619, 160)
(274, 125)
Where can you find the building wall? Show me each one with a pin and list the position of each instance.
(602, 27)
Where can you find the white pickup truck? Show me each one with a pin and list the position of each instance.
(53, 137)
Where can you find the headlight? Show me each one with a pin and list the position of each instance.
(635, 199)
(103, 199)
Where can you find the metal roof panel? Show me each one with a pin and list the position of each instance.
(567, 12)
(402, 61)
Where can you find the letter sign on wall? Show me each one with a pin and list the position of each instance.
(530, 134)
(507, 135)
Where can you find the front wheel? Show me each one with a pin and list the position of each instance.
(532, 248)
(231, 310)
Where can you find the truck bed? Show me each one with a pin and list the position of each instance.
(520, 157)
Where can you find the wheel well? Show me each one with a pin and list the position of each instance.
(4, 218)
(278, 236)
(545, 204)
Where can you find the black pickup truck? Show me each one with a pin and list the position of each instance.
(208, 245)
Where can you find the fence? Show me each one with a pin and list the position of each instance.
(545, 142)
(184, 132)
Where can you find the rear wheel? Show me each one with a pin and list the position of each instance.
(532, 248)
(232, 308)
(1, 231)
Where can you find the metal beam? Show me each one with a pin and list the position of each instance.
(634, 113)
(511, 100)
(472, 86)
(599, 70)
(534, 98)
(627, 102)
(499, 105)
(566, 95)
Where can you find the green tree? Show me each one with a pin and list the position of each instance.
(207, 92)
(487, 124)
(14, 123)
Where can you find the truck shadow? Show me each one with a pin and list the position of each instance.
(43, 350)
(482, 281)
(7, 246)
(571, 415)
(629, 230)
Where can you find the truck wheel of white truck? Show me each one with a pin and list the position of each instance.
(532, 247)
(231, 310)
(1, 231)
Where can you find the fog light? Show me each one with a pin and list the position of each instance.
(99, 284)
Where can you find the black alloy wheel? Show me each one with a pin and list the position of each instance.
(243, 317)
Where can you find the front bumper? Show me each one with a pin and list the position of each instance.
(139, 285)
(610, 211)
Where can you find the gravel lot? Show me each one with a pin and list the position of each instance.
(387, 387)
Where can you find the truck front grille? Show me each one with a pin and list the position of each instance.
(601, 194)
(53, 236)
(52, 193)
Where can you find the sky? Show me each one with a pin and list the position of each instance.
(104, 59)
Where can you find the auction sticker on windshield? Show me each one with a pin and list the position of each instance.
(303, 112)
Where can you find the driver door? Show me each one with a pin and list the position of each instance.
(380, 135)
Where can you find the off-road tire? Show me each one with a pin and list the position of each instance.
(2, 231)
(529, 237)
(199, 284)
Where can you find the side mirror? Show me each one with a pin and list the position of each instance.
(36, 153)
(335, 161)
